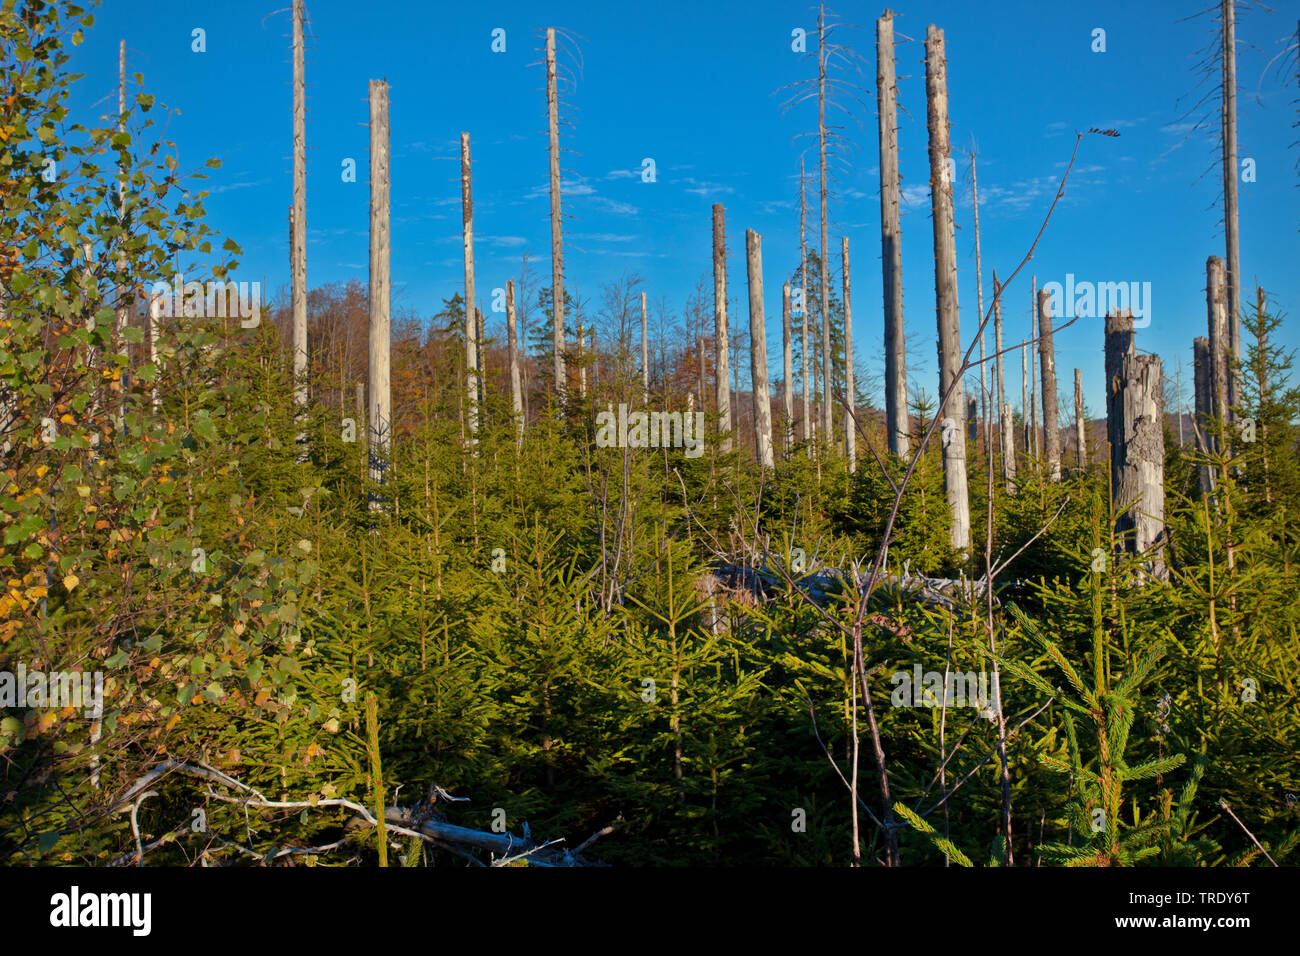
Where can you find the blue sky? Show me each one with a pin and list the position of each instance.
(694, 86)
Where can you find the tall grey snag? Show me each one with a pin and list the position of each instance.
(645, 354)
(1031, 419)
(1080, 424)
(891, 247)
(828, 417)
(1024, 391)
(945, 291)
(1008, 446)
(787, 368)
(512, 345)
(850, 416)
(1216, 306)
(809, 428)
(123, 313)
(722, 359)
(557, 255)
(979, 289)
(758, 351)
(299, 244)
(1203, 402)
(1135, 425)
(471, 318)
(1047, 362)
(380, 392)
(1229, 143)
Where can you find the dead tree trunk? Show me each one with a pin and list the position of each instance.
(645, 354)
(1216, 312)
(1202, 376)
(787, 368)
(1047, 360)
(1080, 424)
(945, 289)
(979, 288)
(828, 417)
(557, 254)
(722, 358)
(1229, 143)
(380, 391)
(512, 344)
(1135, 424)
(1007, 427)
(1008, 424)
(120, 294)
(1032, 418)
(808, 426)
(299, 215)
(1024, 393)
(850, 416)
(471, 300)
(891, 239)
(758, 351)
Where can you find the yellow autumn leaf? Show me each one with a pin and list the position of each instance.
(37, 593)
(70, 581)
(41, 470)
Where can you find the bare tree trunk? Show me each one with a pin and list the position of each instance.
(1024, 393)
(557, 255)
(299, 216)
(1080, 423)
(1261, 380)
(828, 417)
(1135, 423)
(758, 351)
(119, 298)
(512, 344)
(1047, 360)
(808, 427)
(722, 360)
(1008, 440)
(891, 239)
(155, 317)
(1216, 308)
(645, 354)
(945, 289)
(380, 397)
(1032, 418)
(1202, 373)
(1229, 143)
(581, 338)
(1008, 423)
(471, 299)
(979, 289)
(850, 418)
(787, 368)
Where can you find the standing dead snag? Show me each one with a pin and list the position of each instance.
(722, 387)
(645, 354)
(1080, 424)
(808, 427)
(828, 417)
(381, 398)
(1216, 307)
(758, 351)
(299, 244)
(1229, 143)
(1047, 361)
(891, 233)
(787, 362)
(512, 344)
(953, 409)
(557, 255)
(1008, 430)
(1202, 365)
(1135, 425)
(850, 418)
(471, 300)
